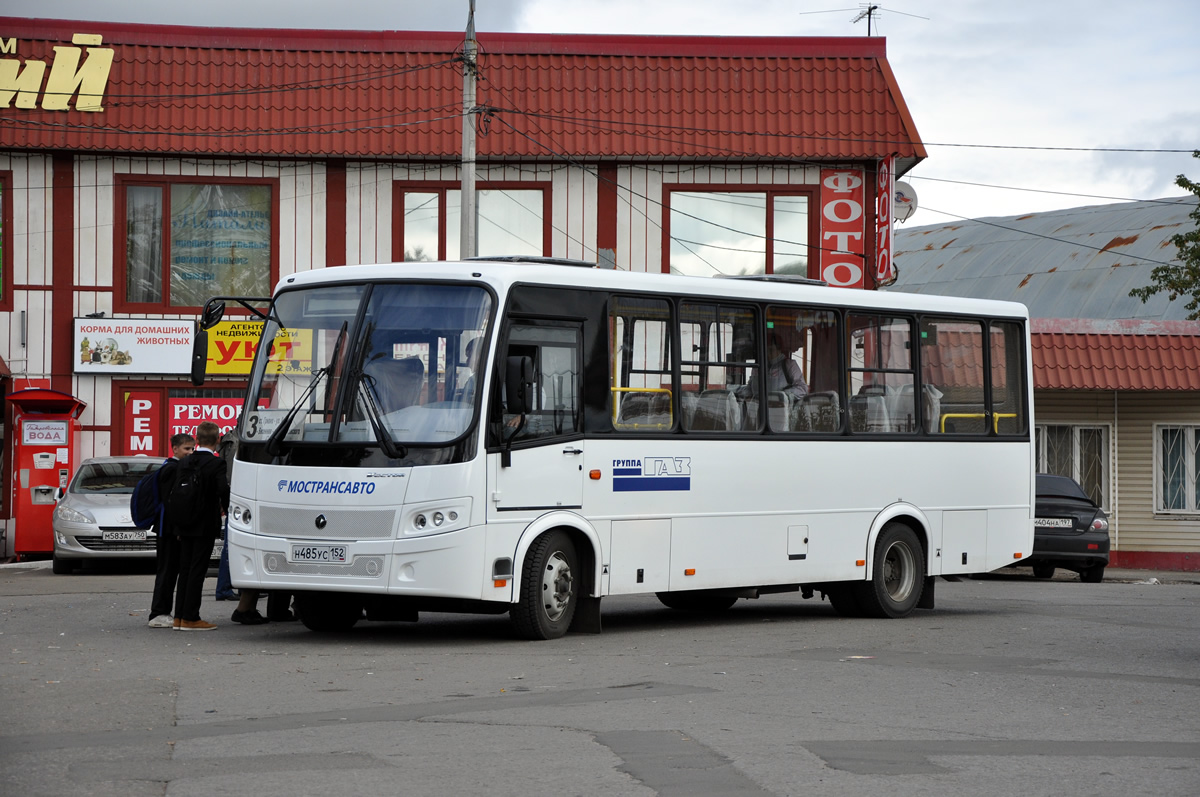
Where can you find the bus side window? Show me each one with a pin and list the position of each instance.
(1007, 382)
(952, 376)
(802, 375)
(881, 376)
(720, 347)
(640, 394)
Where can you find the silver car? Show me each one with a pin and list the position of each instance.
(92, 519)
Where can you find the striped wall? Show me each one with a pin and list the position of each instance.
(301, 248)
(1161, 541)
(574, 218)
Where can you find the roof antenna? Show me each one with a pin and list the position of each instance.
(868, 12)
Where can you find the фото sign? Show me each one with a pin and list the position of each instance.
(885, 271)
(842, 226)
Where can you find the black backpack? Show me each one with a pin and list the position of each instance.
(146, 504)
(185, 503)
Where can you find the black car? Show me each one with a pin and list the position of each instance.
(1070, 531)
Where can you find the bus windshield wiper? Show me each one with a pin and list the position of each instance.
(277, 436)
(388, 443)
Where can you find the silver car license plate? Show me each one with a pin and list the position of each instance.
(133, 535)
(320, 554)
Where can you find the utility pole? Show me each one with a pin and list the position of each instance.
(468, 241)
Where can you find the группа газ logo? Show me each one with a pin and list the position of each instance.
(652, 474)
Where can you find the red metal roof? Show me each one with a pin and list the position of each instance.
(220, 91)
(1074, 354)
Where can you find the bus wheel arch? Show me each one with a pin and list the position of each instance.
(555, 575)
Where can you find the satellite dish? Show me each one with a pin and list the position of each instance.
(904, 203)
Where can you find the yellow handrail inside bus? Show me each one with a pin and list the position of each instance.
(996, 416)
(624, 425)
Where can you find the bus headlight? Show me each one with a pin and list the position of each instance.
(240, 514)
(437, 517)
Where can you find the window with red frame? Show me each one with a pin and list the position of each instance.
(5, 240)
(724, 230)
(512, 221)
(185, 240)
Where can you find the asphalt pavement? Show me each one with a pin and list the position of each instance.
(1011, 687)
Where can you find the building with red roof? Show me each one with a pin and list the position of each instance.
(1116, 380)
(144, 168)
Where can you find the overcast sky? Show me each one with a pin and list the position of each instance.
(1025, 94)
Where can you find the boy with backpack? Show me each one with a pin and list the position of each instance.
(194, 509)
(166, 544)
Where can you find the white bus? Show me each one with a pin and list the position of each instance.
(526, 436)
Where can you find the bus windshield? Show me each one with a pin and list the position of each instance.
(390, 364)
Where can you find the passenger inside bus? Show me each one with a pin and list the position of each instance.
(783, 372)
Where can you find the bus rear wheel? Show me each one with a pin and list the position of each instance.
(898, 574)
(549, 588)
(328, 611)
(700, 601)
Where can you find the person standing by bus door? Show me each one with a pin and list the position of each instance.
(166, 544)
(225, 449)
(246, 612)
(198, 527)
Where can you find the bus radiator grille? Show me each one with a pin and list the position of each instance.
(299, 523)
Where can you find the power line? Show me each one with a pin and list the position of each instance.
(618, 126)
(1035, 190)
(806, 246)
(339, 129)
(281, 88)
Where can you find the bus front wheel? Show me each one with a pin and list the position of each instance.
(898, 575)
(328, 611)
(549, 588)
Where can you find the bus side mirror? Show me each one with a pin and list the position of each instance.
(213, 312)
(518, 385)
(199, 356)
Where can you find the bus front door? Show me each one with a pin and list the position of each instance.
(545, 458)
(546, 477)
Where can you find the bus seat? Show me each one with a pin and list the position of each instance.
(868, 413)
(818, 412)
(779, 410)
(688, 399)
(644, 409)
(397, 382)
(717, 410)
(901, 409)
(932, 407)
